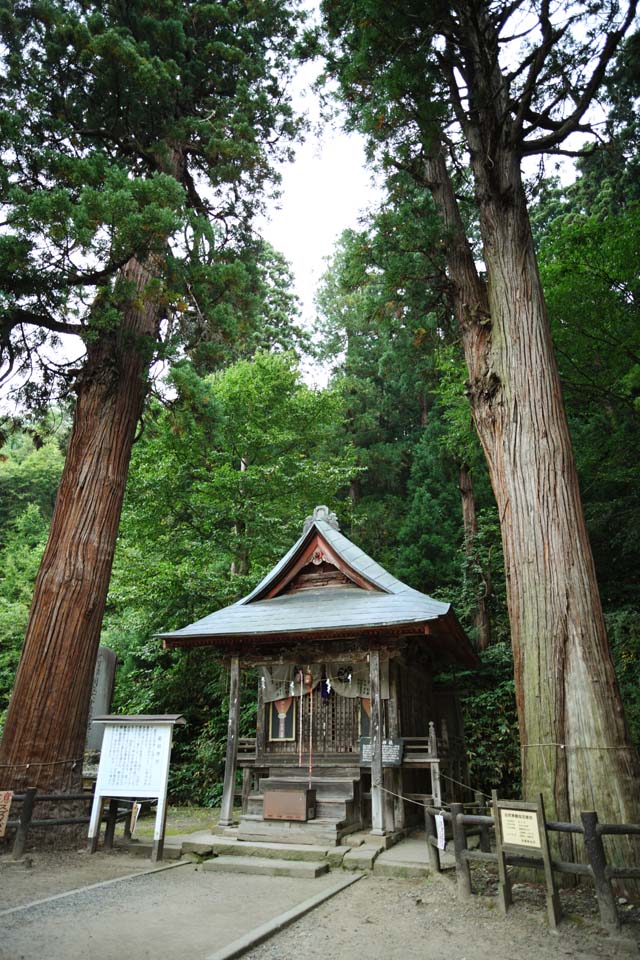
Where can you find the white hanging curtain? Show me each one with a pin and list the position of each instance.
(348, 680)
(280, 681)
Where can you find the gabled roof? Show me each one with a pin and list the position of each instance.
(372, 601)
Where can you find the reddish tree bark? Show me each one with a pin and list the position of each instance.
(480, 614)
(44, 735)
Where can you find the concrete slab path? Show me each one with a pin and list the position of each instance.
(184, 912)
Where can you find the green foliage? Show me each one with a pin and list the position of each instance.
(29, 475)
(135, 131)
(589, 266)
(491, 724)
(623, 625)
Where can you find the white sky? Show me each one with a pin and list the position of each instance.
(323, 192)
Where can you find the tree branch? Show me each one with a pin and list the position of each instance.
(16, 316)
(572, 122)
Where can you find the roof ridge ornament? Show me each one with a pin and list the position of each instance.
(321, 513)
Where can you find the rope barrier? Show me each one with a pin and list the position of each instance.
(401, 796)
(572, 746)
(467, 786)
(42, 763)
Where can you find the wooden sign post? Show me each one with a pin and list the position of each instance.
(6, 797)
(521, 831)
(134, 764)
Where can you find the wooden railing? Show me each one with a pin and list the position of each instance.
(26, 821)
(596, 867)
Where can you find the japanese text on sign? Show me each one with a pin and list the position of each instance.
(392, 750)
(520, 827)
(134, 760)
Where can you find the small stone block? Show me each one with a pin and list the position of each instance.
(400, 870)
(145, 849)
(270, 868)
(197, 846)
(360, 859)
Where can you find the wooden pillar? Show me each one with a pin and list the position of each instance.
(260, 724)
(229, 789)
(395, 730)
(377, 801)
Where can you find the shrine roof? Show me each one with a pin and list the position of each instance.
(375, 601)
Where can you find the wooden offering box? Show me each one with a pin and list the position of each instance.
(297, 804)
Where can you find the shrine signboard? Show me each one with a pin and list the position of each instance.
(134, 764)
(392, 750)
(521, 829)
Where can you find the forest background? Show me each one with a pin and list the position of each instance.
(235, 450)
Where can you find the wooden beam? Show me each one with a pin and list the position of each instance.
(377, 800)
(229, 788)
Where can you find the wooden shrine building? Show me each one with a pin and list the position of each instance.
(348, 721)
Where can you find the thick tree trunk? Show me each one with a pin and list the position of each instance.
(44, 736)
(575, 744)
(482, 581)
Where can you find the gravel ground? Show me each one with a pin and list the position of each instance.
(180, 912)
(384, 919)
(184, 912)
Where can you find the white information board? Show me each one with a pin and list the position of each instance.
(442, 840)
(134, 764)
(134, 761)
(520, 827)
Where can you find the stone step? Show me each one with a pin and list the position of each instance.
(278, 851)
(318, 832)
(271, 868)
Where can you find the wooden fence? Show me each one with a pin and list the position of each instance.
(596, 868)
(26, 820)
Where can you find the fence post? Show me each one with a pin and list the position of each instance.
(26, 814)
(432, 851)
(110, 829)
(598, 863)
(463, 875)
(485, 839)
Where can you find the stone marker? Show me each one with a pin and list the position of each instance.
(101, 694)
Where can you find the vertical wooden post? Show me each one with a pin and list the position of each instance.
(229, 788)
(598, 863)
(260, 724)
(377, 804)
(554, 908)
(110, 829)
(431, 834)
(485, 839)
(26, 814)
(505, 896)
(395, 730)
(463, 875)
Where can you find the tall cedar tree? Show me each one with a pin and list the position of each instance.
(136, 140)
(439, 88)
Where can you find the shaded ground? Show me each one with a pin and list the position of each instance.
(185, 912)
(176, 913)
(385, 919)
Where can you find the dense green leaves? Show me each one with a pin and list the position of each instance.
(135, 130)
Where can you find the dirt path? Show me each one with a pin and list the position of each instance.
(381, 919)
(187, 913)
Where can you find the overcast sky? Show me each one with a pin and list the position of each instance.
(324, 191)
